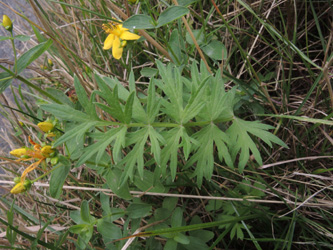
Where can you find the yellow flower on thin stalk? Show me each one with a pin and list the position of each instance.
(118, 35)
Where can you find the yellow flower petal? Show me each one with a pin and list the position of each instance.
(117, 50)
(121, 28)
(109, 42)
(126, 35)
(18, 152)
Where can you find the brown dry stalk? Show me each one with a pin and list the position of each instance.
(186, 196)
(194, 40)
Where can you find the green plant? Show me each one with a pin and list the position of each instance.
(179, 118)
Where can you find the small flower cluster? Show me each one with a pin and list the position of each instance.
(37, 152)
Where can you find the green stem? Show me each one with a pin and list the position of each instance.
(164, 124)
(15, 53)
(22, 79)
(47, 173)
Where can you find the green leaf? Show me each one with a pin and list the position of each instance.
(24, 61)
(119, 144)
(204, 156)
(199, 36)
(60, 96)
(170, 14)
(173, 88)
(170, 150)
(59, 176)
(129, 108)
(5, 80)
(177, 217)
(99, 146)
(139, 21)
(170, 245)
(138, 210)
(138, 112)
(186, 2)
(175, 47)
(153, 104)
(31, 55)
(204, 235)
(76, 229)
(108, 230)
(135, 156)
(243, 143)
(66, 113)
(115, 183)
(170, 203)
(148, 183)
(85, 212)
(83, 99)
(215, 49)
(22, 38)
(182, 239)
(114, 108)
(77, 131)
(155, 148)
(3, 38)
(195, 104)
(148, 72)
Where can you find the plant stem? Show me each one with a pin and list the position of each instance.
(15, 53)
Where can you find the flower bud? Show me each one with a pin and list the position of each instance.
(18, 152)
(47, 151)
(51, 134)
(21, 187)
(45, 126)
(7, 23)
(50, 63)
(54, 160)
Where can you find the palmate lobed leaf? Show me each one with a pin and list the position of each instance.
(170, 150)
(242, 142)
(204, 155)
(135, 156)
(77, 131)
(87, 104)
(100, 146)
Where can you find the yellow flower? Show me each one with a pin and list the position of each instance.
(117, 38)
(45, 126)
(7, 23)
(21, 187)
(47, 151)
(18, 152)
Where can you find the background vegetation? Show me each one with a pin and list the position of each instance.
(212, 131)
